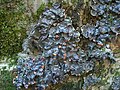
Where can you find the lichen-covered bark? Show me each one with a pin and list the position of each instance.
(73, 55)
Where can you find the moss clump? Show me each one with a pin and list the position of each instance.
(13, 25)
(6, 80)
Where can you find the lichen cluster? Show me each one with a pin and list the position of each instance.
(59, 54)
(116, 83)
(109, 13)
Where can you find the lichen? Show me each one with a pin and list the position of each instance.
(59, 55)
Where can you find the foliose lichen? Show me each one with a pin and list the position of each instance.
(59, 54)
(116, 83)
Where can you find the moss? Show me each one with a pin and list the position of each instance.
(6, 78)
(13, 25)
